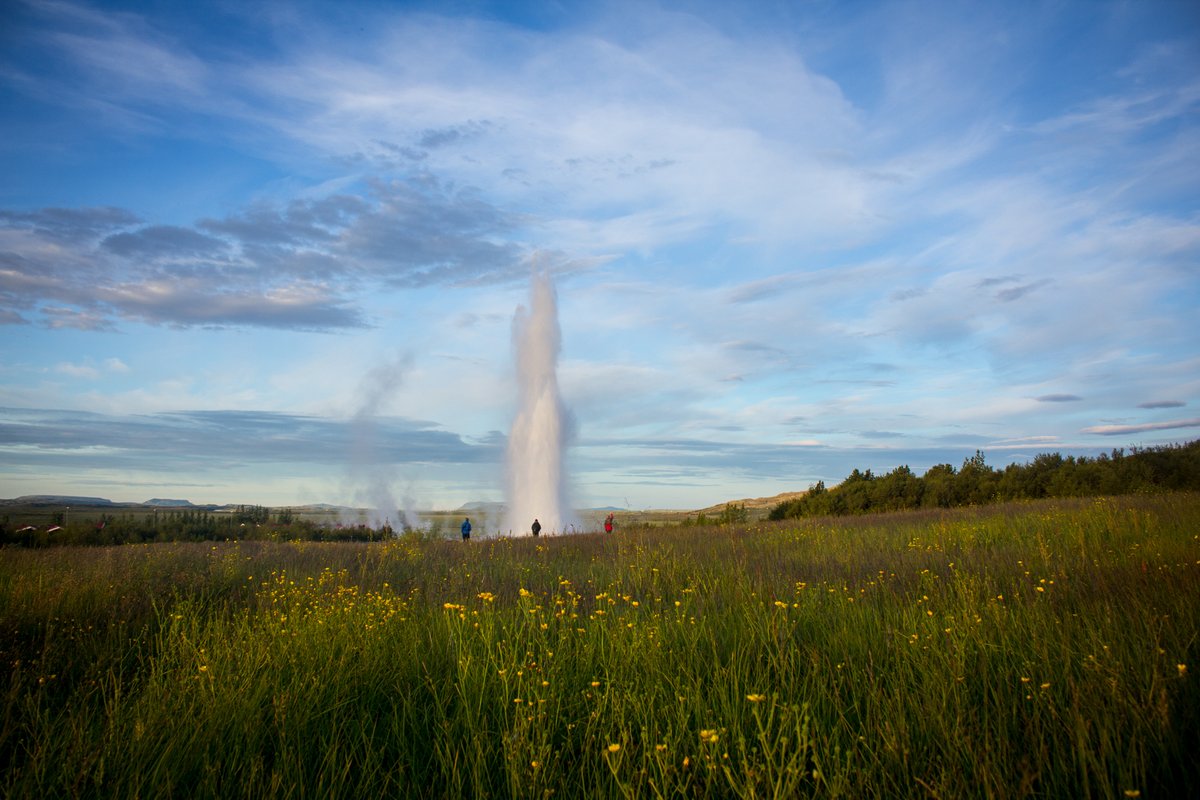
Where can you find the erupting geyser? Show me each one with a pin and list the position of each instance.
(537, 486)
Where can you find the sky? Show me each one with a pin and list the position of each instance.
(272, 252)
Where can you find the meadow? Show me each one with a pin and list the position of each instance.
(1041, 649)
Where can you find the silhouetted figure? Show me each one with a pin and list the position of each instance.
(466, 528)
(537, 527)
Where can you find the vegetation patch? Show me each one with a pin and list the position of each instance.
(1156, 469)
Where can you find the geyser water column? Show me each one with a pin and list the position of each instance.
(536, 475)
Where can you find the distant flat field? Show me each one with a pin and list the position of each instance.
(44, 514)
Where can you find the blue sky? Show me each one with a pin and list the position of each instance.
(271, 252)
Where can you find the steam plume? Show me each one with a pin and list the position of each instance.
(537, 486)
(372, 477)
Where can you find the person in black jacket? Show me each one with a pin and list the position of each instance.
(537, 527)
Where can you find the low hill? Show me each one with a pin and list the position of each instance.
(752, 503)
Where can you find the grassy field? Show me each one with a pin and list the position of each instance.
(1034, 650)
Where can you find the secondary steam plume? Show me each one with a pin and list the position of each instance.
(537, 485)
(370, 473)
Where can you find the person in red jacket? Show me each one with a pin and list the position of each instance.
(608, 523)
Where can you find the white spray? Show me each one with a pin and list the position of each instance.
(371, 476)
(537, 486)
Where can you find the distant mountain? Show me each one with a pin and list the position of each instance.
(60, 500)
(485, 506)
(158, 501)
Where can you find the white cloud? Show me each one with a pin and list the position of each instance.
(77, 370)
(1115, 430)
(90, 370)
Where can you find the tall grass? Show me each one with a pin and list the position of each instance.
(1027, 650)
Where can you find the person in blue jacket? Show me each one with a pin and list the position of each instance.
(466, 528)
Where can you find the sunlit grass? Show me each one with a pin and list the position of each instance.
(1032, 650)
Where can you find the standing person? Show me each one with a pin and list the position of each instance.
(608, 523)
(466, 528)
(537, 527)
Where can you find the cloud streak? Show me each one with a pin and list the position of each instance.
(167, 440)
(1121, 430)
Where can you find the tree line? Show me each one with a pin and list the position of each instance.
(183, 525)
(1154, 469)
